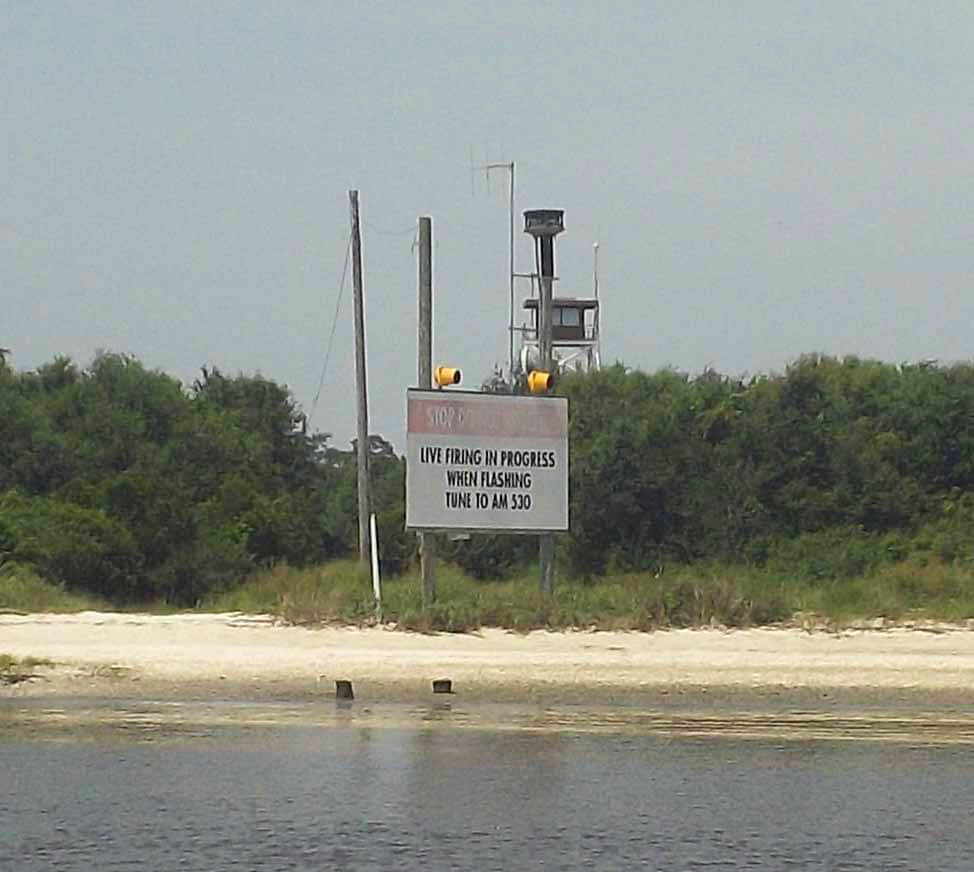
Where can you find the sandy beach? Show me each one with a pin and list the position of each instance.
(253, 656)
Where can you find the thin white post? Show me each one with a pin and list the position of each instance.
(376, 583)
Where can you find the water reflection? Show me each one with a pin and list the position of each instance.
(240, 786)
(173, 721)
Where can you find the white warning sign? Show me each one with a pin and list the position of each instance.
(491, 462)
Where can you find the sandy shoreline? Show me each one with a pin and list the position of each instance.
(251, 656)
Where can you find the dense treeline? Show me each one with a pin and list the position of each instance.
(837, 460)
(824, 471)
(118, 481)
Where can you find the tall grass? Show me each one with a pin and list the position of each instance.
(622, 602)
(933, 590)
(23, 590)
(332, 592)
(341, 593)
(694, 596)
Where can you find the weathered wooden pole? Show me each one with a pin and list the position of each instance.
(424, 373)
(362, 447)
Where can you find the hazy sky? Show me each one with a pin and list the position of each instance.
(764, 178)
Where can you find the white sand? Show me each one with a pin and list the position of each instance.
(93, 648)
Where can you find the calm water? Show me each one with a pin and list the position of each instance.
(277, 788)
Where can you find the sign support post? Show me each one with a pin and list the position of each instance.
(424, 347)
(546, 541)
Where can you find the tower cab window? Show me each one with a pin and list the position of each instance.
(565, 317)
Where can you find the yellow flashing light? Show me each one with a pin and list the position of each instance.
(540, 382)
(443, 376)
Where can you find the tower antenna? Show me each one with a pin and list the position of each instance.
(509, 168)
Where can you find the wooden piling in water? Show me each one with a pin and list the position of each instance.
(343, 690)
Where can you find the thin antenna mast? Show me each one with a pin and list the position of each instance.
(595, 350)
(510, 205)
(595, 281)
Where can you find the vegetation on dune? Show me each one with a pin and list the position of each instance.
(118, 483)
(843, 488)
(23, 591)
(692, 596)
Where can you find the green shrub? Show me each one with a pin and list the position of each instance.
(80, 548)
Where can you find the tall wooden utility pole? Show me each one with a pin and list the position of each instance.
(424, 373)
(362, 446)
